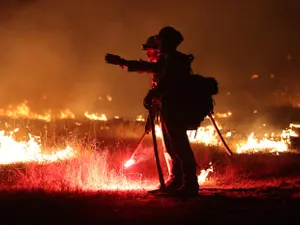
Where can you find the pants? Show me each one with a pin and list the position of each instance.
(177, 145)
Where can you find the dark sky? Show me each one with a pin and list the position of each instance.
(57, 48)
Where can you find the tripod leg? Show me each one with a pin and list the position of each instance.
(159, 170)
(166, 155)
(229, 152)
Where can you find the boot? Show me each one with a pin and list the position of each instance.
(170, 186)
(187, 191)
(190, 187)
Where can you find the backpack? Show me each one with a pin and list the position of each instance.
(197, 101)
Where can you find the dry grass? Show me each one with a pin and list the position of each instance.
(100, 168)
(254, 188)
(99, 164)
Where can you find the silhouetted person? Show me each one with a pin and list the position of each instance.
(171, 69)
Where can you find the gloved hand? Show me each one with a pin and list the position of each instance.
(148, 127)
(114, 59)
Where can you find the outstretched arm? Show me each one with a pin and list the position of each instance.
(132, 65)
(141, 66)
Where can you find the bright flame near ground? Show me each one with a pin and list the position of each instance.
(269, 143)
(140, 118)
(67, 114)
(22, 111)
(255, 145)
(222, 115)
(94, 116)
(129, 163)
(202, 178)
(205, 135)
(272, 143)
(12, 151)
(95, 175)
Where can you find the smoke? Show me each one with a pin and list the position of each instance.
(52, 51)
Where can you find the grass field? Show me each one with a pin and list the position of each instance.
(94, 188)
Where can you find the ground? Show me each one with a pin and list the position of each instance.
(247, 206)
(243, 189)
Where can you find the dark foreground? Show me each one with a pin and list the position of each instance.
(213, 206)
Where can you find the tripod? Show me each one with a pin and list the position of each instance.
(159, 169)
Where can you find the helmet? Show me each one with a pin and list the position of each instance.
(151, 43)
(170, 36)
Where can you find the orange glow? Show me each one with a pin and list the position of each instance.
(140, 118)
(67, 114)
(22, 111)
(95, 116)
(12, 151)
(202, 178)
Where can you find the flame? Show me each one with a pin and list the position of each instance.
(205, 135)
(67, 114)
(23, 111)
(271, 142)
(12, 151)
(129, 163)
(202, 178)
(140, 118)
(222, 115)
(255, 145)
(93, 116)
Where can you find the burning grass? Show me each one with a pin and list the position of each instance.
(95, 169)
(89, 170)
(79, 164)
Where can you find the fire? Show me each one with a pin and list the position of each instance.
(205, 135)
(202, 178)
(23, 111)
(222, 115)
(94, 116)
(140, 118)
(67, 114)
(129, 163)
(255, 145)
(12, 151)
(271, 142)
